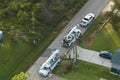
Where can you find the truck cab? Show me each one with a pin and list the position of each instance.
(71, 37)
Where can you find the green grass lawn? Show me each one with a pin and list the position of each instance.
(104, 39)
(89, 71)
(11, 56)
(102, 42)
(15, 58)
(113, 35)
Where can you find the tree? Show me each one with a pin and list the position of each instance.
(2, 13)
(22, 16)
(57, 6)
(20, 76)
(117, 4)
(115, 22)
(13, 6)
(114, 15)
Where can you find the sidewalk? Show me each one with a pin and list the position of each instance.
(91, 56)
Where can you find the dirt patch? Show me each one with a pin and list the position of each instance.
(108, 7)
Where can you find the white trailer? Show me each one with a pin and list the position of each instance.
(50, 63)
(71, 37)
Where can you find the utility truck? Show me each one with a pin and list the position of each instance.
(71, 37)
(50, 63)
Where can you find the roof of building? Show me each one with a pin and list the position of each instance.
(116, 57)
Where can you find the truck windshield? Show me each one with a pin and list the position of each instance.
(45, 68)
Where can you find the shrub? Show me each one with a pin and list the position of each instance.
(65, 66)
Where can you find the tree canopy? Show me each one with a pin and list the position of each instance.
(33, 18)
(115, 15)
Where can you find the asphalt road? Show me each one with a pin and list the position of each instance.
(92, 6)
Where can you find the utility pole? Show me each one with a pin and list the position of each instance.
(75, 55)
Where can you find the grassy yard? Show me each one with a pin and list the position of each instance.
(15, 58)
(113, 35)
(88, 71)
(11, 56)
(100, 39)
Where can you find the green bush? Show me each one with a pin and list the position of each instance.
(65, 66)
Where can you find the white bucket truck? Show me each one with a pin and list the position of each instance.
(71, 37)
(50, 63)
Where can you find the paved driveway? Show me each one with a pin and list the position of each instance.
(91, 56)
